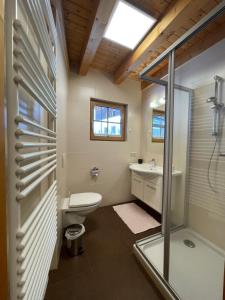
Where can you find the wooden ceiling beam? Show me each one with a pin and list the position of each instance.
(199, 44)
(103, 13)
(177, 13)
(148, 9)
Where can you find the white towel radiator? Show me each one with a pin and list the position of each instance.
(31, 127)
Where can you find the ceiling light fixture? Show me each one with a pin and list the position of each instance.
(157, 103)
(128, 25)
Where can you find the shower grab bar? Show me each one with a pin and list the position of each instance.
(23, 170)
(34, 184)
(22, 70)
(26, 156)
(22, 119)
(23, 62)
(22, 40)
(42, 35)
(20, 145)
(27, 225)
(20, 80)
(26, 180)
(20, 132)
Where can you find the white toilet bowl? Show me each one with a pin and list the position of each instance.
(78, 206)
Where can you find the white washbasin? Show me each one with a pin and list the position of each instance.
(147, 169)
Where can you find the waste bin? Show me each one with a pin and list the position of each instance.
(74, 239)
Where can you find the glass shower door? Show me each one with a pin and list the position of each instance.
(197, 250)
(187, 258)
(154, 102)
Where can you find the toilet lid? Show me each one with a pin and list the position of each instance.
(84, 199)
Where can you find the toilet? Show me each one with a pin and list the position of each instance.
(78, 206)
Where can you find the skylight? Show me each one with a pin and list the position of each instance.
(128, 25)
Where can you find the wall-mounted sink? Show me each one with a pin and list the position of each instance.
(147, 169)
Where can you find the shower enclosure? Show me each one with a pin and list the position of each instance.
(186, 260)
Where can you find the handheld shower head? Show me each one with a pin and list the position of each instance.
(212, 99)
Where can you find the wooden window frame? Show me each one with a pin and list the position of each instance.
(105, 103)
(162, 113)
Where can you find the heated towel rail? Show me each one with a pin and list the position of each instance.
(31, 109)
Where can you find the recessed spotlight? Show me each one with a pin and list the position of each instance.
(128, 25)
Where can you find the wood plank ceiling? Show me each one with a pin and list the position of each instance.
(78, 17)
(120, 62)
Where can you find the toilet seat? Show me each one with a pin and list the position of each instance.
(84, 200)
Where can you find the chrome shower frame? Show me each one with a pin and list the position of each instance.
(163, 281)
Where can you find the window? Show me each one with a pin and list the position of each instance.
(108, 120)
(128, 25)
(158, 126)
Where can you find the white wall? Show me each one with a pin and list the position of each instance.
(112, 158)
(180, 148)
(61, 98)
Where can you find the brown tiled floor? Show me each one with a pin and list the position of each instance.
(107, 270)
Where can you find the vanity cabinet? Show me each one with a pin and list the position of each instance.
(137, 186)
(148, 188)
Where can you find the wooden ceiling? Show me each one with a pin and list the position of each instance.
(79, 16)
(86, 20)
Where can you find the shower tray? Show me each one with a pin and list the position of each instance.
(195, 272)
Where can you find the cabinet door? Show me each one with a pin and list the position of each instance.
(153, 195)
(137, 187)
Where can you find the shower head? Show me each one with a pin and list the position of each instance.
(218, 78)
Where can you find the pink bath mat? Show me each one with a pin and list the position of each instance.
(135, 217)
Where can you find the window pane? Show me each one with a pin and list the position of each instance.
(114, 129)
(100, 128)
(114, 115)
(156, 132)
(104, 113)
(156, 120)
(158, 125)
(100, 113)
(108, 120)
(159, 120)
(104, 128)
